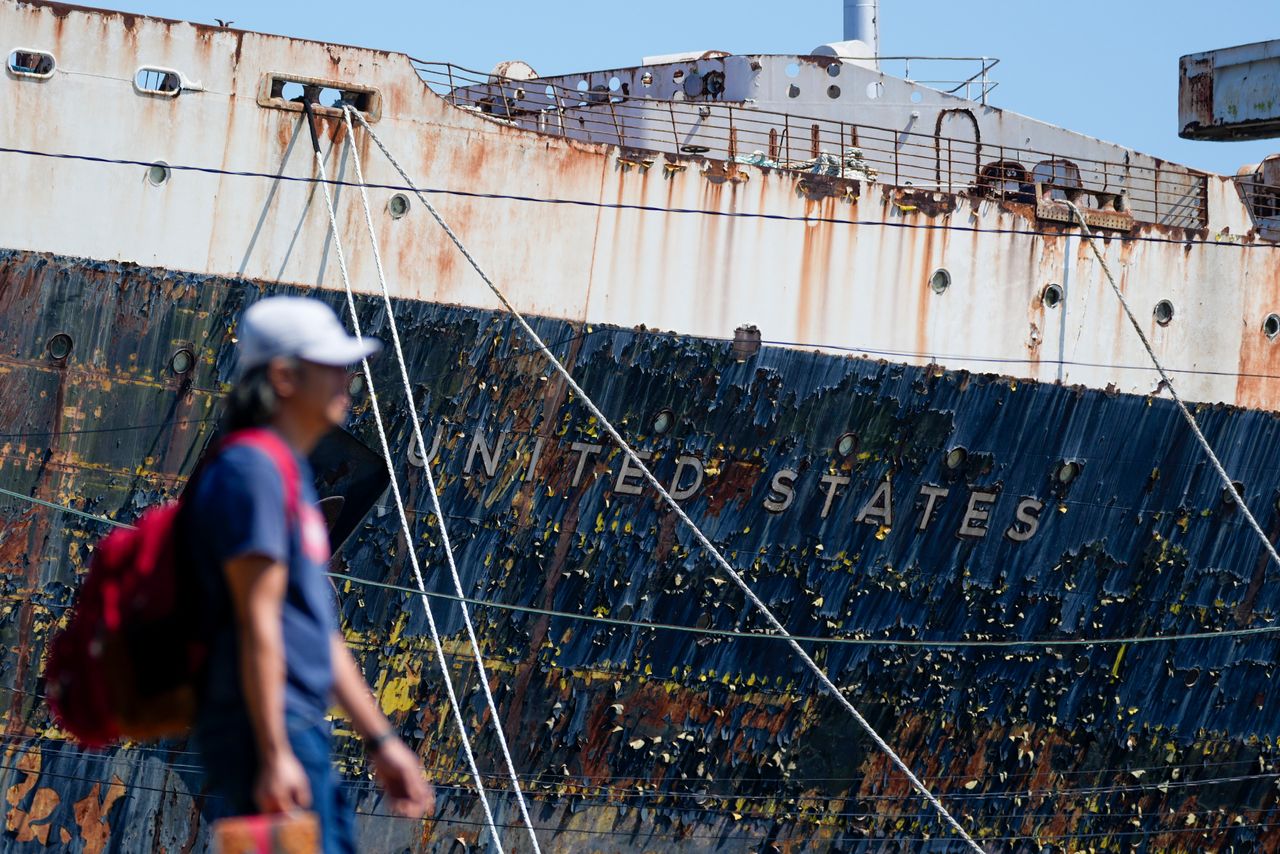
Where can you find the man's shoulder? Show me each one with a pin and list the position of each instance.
(239, 469)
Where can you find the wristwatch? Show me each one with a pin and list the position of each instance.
(373, 743)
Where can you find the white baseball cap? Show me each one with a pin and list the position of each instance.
(300, 327)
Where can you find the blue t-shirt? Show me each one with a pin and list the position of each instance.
(238, 509)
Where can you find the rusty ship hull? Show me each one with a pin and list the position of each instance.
(905, 468)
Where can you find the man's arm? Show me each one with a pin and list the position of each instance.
(398, 769)
(257, 586)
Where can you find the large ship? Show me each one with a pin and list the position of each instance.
(852, 322)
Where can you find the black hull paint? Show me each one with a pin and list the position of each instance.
(640, 739)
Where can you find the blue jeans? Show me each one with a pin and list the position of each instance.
(230, 764)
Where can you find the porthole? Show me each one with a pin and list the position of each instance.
(182, 362)
(164, 82)
(663, 421)
(59, 347)
(158, 173)
(793, 91)
(646, 79)
(956, 458)
(678, 76)
(833, 70)
(32, 63)
(355, 384)
(833, 91)
(1234, 494)
(847, 445)
(1051, 296)
(398, 205)
(875, 90)
(1271, 326)
(1068, 471)
(1163, 312)
(614, 84)
(1192, 677)
(940, 280)
(582, 86)
(1082, 666)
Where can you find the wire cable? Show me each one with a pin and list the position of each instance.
(395, 490)
(764, 609)
(412, 412)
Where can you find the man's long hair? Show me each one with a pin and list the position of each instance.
(251, 402)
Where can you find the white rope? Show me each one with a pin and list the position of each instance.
(1168, 381)
(404, 519)
(435, 498)
(675, 507)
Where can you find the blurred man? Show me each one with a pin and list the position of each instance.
(261, 550)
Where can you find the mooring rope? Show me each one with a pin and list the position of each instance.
(640, 466)
(395, 491)
(416, 421)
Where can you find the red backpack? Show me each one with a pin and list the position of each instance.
(127, 663)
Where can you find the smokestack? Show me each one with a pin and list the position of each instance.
(861, 43)
(860, 23)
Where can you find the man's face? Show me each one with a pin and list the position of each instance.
(315, 394)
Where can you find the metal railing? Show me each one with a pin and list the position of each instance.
(1263, 203)
(738, 133)
(973, 87)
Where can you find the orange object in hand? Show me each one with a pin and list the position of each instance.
(280, 833)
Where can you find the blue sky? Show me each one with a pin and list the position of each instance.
(1108, 68)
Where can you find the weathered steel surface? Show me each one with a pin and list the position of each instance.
(639, 739)
(1232, 93)
(687, 244)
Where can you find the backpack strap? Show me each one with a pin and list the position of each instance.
(280, 454)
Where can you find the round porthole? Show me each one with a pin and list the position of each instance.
(1051, 296)
(663, 421)
(1271, 326)
(847, 445)
(1192, 677)
(956, 457)
(833, 70)
(398, 205)
(59, 346)
(1067, 472)
(940, 280)
(182, 362)
(158, 173)
(1234, 494)
(1163, 312)
(355, 384)
(833, 91)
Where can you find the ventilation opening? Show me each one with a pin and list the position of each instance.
(940, 280)
(31, 63)
(286, 92)
(59, 347)
(398, 205)
(158, 173)
(182, 362)
(1271, 326)
(157, 81)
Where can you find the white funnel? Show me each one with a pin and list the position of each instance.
(860, 23)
